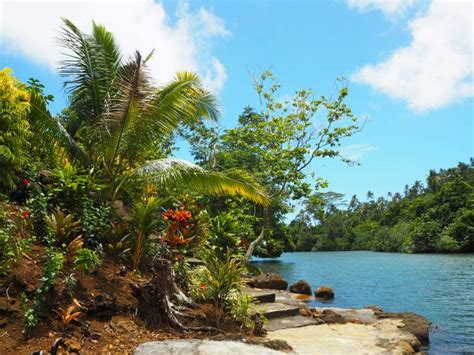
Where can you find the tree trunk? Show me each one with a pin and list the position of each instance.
(260, 237)
(157, 296)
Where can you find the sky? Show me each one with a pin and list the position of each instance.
(408, 64)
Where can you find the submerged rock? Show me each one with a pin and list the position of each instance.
(270, 280)
(324, 292)
(301, 287)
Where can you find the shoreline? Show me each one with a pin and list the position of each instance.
(340, 330)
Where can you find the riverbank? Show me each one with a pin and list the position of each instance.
(294, 328)
(438, 287)
(340, 330)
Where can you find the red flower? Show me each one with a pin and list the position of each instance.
(202, 286)
(25, 214)
(26, 182)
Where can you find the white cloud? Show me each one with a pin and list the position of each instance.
(436, 68)
(31, 28)
(391, 9)
(356, 152)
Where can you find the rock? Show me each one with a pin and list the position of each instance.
(301, 287)
(325, 293)
(275, 344)
(382, 337)
(414, 324)
(270, 280)
(197, 347)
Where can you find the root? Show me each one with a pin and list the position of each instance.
(161, 300)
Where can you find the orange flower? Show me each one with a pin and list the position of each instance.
(25, 214)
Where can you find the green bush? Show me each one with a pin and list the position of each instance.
(87, 260)
(38, 206)
(224, 233)
(53, 264)
(61, 227)
(217, 280)
(241, 308)
(12, 242)
(70, 187)
(95, 221)
(14, 129)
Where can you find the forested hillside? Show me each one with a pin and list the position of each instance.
(435, 216)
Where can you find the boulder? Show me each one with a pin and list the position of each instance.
(270, 280)
(324, 292)
(301, 287)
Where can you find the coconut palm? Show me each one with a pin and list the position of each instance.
(117, 119)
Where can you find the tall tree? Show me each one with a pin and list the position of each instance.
(278, 142)
(117, 115)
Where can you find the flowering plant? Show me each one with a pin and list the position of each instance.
(179, 228)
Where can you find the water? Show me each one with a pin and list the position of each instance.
(437, 286)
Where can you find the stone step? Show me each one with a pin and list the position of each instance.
(289, 322)
(277, 310)
(262, 296)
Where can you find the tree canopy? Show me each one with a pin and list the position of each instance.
(435, 217)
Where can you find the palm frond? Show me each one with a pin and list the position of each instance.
(108, 56)
(174, 172)
(181, 101)
(50, 128)
(132, 98)
(84, 69)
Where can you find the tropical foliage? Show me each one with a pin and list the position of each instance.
(276, 144)
(14, 128)
(97, 181)
(435, 217)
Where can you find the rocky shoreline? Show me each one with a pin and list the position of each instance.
(293, 327)
(368, 329)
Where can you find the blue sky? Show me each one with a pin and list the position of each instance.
(409, 65)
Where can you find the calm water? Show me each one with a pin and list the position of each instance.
(439, 287)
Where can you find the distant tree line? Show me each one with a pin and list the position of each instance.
(437, 216)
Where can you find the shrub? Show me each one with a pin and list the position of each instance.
(241, 308)
(61, 227)
(14, 128)
(118, 242)
(71, 187)
(38, 206)
(70, 283)
(95, 221)
(52, 265)
(223, 233)
(217, 280)
(144, 222)
(12, 242)
(87, 260)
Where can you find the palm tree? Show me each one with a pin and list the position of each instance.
(117, 118)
